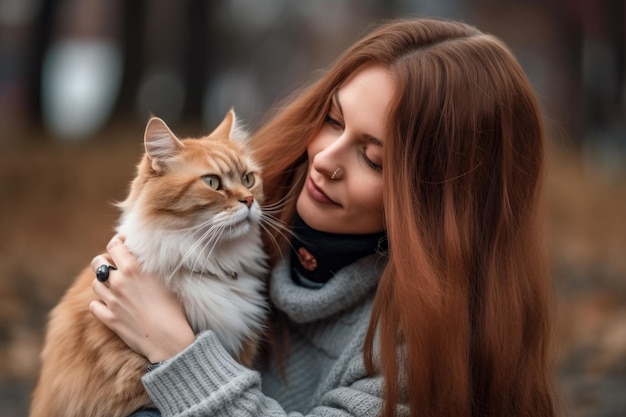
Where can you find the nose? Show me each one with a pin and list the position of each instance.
(247, 200)
(330, 156)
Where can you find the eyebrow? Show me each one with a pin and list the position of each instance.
(370, 138)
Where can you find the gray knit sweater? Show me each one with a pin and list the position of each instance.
(324, 373)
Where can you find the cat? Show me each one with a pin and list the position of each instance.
(193, 216)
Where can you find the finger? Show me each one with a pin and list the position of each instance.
(102, 290)
(100, 311)
(118, 238)
(102, 259)
(120, 255)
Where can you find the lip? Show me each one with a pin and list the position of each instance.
(318, 195)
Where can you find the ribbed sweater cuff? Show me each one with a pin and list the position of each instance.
(202, 375)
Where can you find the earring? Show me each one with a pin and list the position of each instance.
(335, 173)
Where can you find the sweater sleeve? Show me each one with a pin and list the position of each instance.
(204, 380)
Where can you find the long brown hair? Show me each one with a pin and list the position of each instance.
(465, 298)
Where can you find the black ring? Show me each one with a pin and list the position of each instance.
(102, 273)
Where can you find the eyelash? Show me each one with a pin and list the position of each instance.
(333, 122)
(337, 124)
(371, 163)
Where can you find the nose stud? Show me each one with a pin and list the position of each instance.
(335, 173)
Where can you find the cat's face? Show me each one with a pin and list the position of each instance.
(208, 187)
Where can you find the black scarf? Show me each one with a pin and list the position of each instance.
(316, 256)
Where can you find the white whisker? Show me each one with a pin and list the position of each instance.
(268, 222)
(276, 225)
(192, 250)
(216, 234)
(277, 205)
(280, 204)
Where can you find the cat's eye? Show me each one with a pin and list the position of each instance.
(213, 181)
(248, 180)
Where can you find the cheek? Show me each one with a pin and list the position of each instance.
(377, 203)
(320, 141)
(369, 197)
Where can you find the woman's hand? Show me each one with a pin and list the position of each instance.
(139, 308)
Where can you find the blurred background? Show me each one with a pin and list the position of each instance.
(79, 79)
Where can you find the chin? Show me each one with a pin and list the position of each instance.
(238, 230)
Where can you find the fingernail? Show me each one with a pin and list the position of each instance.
(113, 242)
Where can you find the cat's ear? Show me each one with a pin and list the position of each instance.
(161, 144)
(230, 128)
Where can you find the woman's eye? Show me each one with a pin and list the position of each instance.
(333, 122)
(374, 165)
(248, 180)
(213, 181)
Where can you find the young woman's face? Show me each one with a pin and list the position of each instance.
(350, 146)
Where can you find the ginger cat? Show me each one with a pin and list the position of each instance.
(193, 216)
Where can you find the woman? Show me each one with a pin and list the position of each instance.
(424, 132)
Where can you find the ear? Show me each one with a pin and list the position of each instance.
(161, 144)
(229, 128)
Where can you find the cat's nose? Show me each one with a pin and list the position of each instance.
(247, 200)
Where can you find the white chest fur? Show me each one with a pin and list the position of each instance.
(202, 277)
